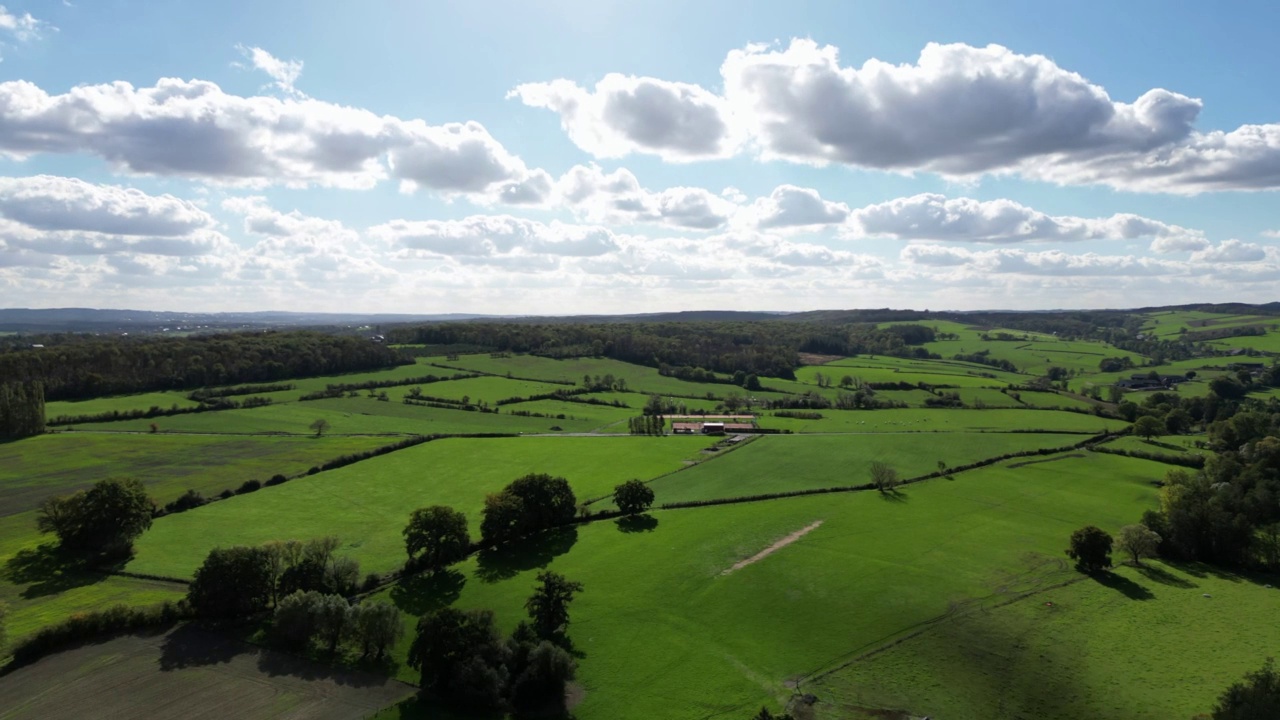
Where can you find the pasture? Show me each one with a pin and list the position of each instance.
(658, 605)
(367, 504)
(916, 420)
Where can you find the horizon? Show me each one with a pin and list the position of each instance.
(572, 159)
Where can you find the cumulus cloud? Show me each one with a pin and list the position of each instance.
(46, 202)
(790, 206)
(283, 73)
(959, 110)
(931, 216)
(1046, 263)
(194, 129)
(626, 114)
(618, 198)
(1274, 234)
(1230, 251)
(495, 237)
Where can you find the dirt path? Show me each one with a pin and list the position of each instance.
(774, 547)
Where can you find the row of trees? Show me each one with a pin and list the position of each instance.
(305, 618)
(21, 409)
(242, 581)
(467, 664)
(84, 367)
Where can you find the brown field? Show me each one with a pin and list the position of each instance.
(189, 673)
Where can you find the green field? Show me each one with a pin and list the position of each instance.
(782, 463)
(658, 606)
(946, 420)
(368, 504)
(122, 403)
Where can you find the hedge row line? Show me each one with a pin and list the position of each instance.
(1191, 461)
(445, 404)
(156, 411)
(333, 390)
(81, 627)
(557, 395)
(508, 376)
(204, 394)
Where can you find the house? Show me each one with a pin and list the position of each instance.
(686, 428)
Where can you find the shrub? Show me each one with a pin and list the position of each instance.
(81, 627)
(248, 486)
(276, 479)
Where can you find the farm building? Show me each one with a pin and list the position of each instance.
(711, 428)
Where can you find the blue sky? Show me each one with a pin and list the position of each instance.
(577, 157)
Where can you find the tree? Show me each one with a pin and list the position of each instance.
(1091, 549)
(549, 605)
(21, 409)
(436, 536)
(320, 426)
(528, 505)
(884, 477)
(1137, 541)
(633, 497)
(461, 655)
(331, 620)
(294, 622)
(375, 625)
(1148, 427)
(1257, 697)
(102, 521)
(1177, 421)
(538, 686)
(232, 582)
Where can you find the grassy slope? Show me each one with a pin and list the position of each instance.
(368, 504)
(796, 462)
(1145, 645)
(665, 634)
(949, 420)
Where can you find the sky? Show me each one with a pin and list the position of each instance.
(592, 157)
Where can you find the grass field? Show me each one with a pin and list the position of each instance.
(948, 420)
(122, 403)
(665, 633)
(368, 504)
(188, 673)
(35, 468)
(1146, 645)
(782, 463)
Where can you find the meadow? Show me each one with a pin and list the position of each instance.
(367, 505)
(949, 598)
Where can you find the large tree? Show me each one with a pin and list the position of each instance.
(549, 605)
(883, 476)
(1091, 549)
(101, 522)
(436, 536)
(1137, 541)
(1147, 427)
(462, 657)
(232, 583)
(528, 505)
(633, 497)
(375, 625)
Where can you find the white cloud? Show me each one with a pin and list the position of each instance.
(618, 198)
(24, 27)
(627, 114)
(1230, 251)
(46, 202)
(1174, 244)
(1274, 234)
(283, 73)
(494, 237)
(935, 217)
(959, 111)
(194, 129)
(791, 206)
(1046, 263)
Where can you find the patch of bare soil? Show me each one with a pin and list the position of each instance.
(774, 547)
(187, 674)
(816, 359)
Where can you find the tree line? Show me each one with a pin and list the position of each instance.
(92, 367)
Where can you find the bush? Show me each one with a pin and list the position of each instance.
(276, 479)
(248, 486)
(81, 627)
(189, 500)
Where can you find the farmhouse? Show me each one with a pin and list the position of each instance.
(712, 424)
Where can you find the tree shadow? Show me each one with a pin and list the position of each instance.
(420, 594)
(47, 570)
(1123, 585)
(1204, 570)
(275, 663)
(1164, 445)
(427, 707)
(190, 646)
(637, 523)
(894, 495)
(512, 558)
(1164, 577)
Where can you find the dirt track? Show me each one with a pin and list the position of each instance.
(774, 547)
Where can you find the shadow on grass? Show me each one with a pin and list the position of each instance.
(1205, 570)
(894, 495)
(275, 663)
(517, 556)
(420, 594)
(1123, 585)
(636, 523)
(1164, 445)
(1164, 577)
(46, 570)
(419, 707)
